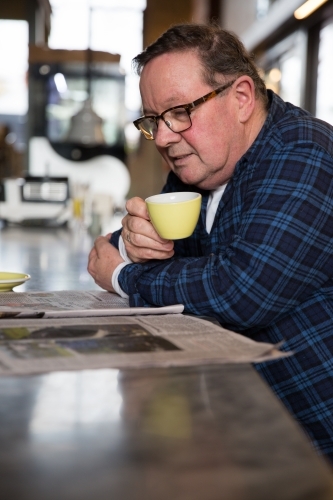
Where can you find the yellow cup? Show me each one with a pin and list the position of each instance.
(174, 215)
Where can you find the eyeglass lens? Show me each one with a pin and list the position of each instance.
(177, 120)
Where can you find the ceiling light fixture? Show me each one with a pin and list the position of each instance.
(308, 8)
(86, 126)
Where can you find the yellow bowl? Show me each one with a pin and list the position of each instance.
(9, 280)
(174, 215)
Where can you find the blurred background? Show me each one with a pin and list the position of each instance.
(69, 153)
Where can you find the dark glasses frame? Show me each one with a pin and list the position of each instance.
(188, 107)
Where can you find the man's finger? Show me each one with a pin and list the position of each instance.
(137, 206)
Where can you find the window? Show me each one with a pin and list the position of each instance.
(109, 25)
(284, 67)
(324, 98)
(13, 67)
(263, 7)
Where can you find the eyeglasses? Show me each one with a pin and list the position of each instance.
(178, 118)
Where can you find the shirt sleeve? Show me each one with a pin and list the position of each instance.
(114, 240)
(115, 282)
(115, 274)
(273, 246)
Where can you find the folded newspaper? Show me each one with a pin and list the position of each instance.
(34, 339)
(73, 304)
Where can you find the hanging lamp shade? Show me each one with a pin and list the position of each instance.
(86, 127)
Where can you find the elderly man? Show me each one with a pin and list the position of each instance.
(261, 258)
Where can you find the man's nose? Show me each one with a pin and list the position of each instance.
(165, 136)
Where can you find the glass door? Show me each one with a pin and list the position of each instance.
(324, 98)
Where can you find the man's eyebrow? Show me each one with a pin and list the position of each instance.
(146, 112)
(169, 103)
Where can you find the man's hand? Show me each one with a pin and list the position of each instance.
(103, 260)
(142, 242)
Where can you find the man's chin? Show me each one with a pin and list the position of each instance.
(194, 181)
(187, 177)
(205, 182)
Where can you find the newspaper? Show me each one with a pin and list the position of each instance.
(72, 304)
(39, 345)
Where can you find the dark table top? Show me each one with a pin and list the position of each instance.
(194, 433)
(209, 432)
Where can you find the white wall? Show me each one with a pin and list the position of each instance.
(238, 15)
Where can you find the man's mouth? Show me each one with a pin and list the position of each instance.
(179, 159)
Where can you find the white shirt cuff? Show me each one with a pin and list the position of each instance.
(115, 282)
(114, 279)
(122, 250)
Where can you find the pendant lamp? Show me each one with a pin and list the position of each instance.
(86, 125)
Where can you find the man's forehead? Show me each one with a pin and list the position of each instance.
(173, 66)
(171, 96)
(172, 79)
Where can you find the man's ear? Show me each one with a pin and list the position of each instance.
(245, 94)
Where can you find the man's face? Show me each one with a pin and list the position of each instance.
(205, 155)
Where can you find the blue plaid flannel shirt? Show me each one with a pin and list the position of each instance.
(266, 268)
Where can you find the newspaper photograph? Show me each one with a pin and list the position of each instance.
(32, 346)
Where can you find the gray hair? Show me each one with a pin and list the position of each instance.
(220, 51)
